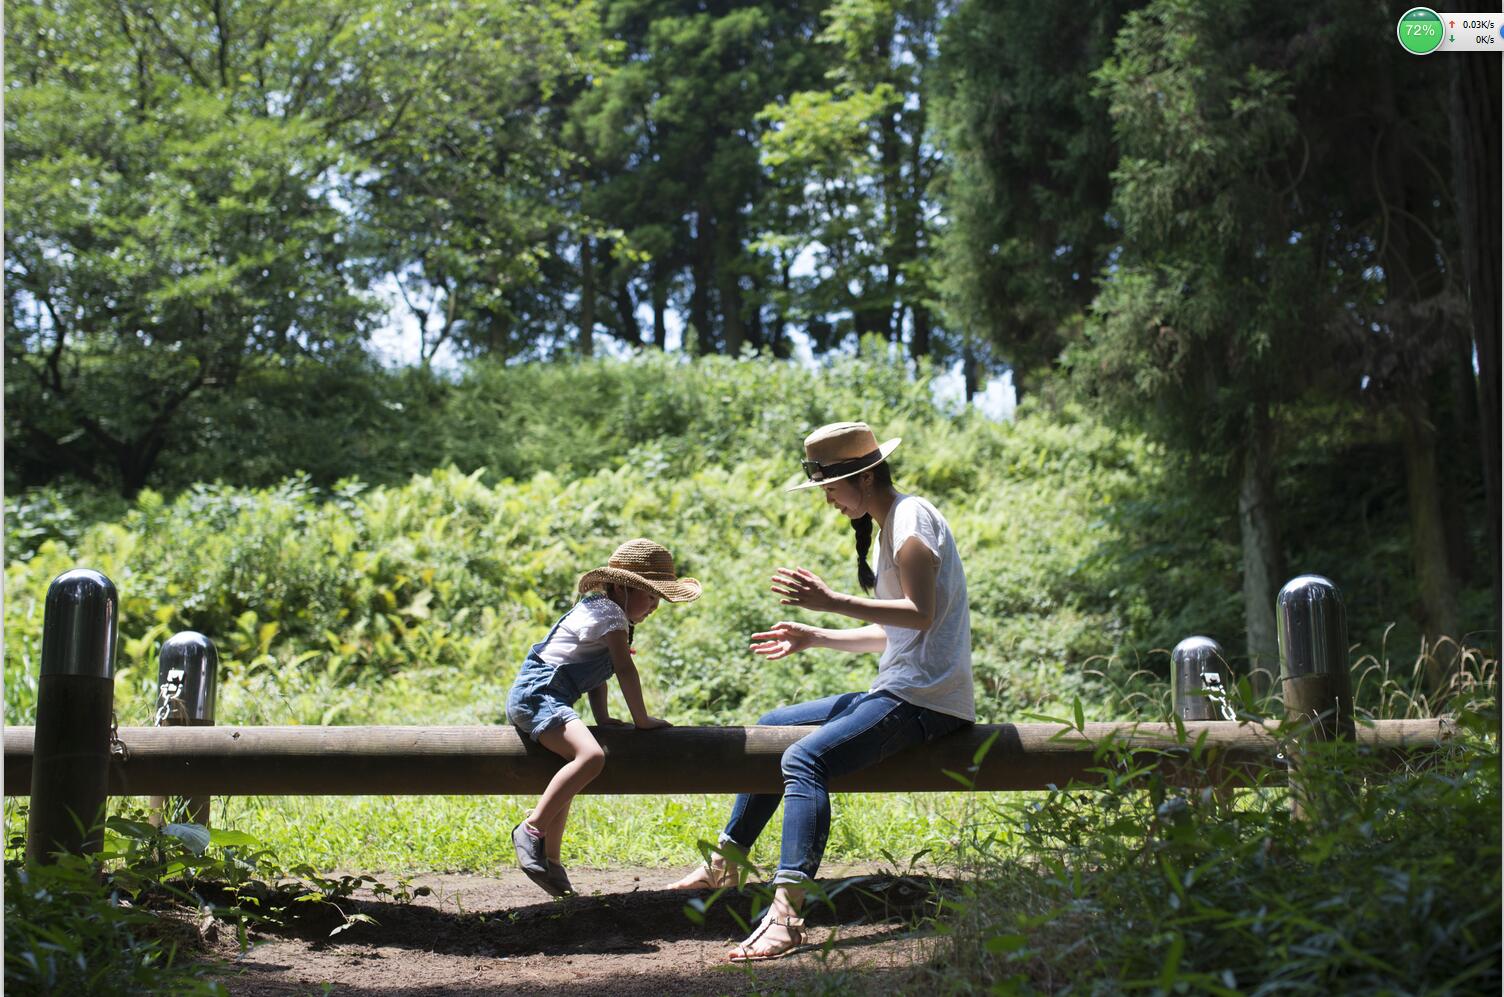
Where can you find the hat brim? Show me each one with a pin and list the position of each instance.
(882, 455)
(678, 590)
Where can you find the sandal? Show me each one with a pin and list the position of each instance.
(744, 953)
(709, 876)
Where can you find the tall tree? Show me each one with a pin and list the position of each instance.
(1474, 109)
(1287, 235)
(1198, 331)
(173, 216)
(1378, 182)
(198, 190)
(672, 131)
(468, 190)
(1025, 188)
(852, 166)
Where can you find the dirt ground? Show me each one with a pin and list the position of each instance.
(625, 936)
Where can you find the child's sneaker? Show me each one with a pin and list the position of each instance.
(531, 856)
(558, 880)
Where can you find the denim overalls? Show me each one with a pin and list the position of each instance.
(542, 695)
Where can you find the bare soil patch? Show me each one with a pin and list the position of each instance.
(627, 936)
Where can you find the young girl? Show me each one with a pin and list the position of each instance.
(590, 643)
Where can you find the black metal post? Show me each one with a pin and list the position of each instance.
(187, 674)
(1315, 678)
(75, 703)
(1203, 682)
(1313, 656)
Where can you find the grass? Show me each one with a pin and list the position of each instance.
(413, 834)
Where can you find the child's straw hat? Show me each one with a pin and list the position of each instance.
(642, 564)
(840, 450)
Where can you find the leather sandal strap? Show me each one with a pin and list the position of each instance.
(746, 946)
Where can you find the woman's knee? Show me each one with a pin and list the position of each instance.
(800, 762)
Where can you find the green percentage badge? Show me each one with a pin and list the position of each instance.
(1419, 30)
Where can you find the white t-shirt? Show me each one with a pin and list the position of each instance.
(929, 668)
(582, 632)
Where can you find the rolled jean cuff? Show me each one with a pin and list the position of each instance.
(790, 877)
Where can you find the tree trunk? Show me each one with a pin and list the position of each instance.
(912, 231)
(702, 270)
(660, 306)
(756, 331)
(893, 207)
(919, 345)
(969, 373)
(135, 461)
(1474, 110)
(626, 312)
(1258, 528)
(778, 331)
(587, 298)
(1428, 542)
(728, 283)
(1455, 473)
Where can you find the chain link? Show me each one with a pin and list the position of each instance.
(118, 750)
(1211, 682)
(168, 700)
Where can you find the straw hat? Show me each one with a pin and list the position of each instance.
(642, 564)
(840, 450)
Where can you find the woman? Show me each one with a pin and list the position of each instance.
(917, 619)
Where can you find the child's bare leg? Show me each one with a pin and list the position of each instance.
(585, 761)
(553, 834)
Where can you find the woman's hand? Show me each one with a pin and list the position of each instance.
(612, 722)
(783, 640)
(651, 723)
(802, 587)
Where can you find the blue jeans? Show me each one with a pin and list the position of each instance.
(857, 729)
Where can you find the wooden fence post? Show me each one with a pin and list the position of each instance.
(75, 706)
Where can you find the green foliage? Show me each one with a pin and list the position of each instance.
(1389, 884)
(469, 187)
(64, 933)
(1211, 307)
(166, 228)
(431, 591)
(341, 601)
(194, 199)
(668, 139)
(1025, 181)
(849, 174)
(118, 922)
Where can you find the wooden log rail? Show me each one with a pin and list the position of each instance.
(350, 761)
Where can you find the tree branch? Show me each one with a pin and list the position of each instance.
(172, 47)
(224, 42)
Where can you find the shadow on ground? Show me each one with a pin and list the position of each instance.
(638, 921)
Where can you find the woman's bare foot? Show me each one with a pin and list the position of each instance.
(706, 876)
(781, 930)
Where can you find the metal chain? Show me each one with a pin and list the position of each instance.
(118, 750)
(1217, 693)
(167, 698)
